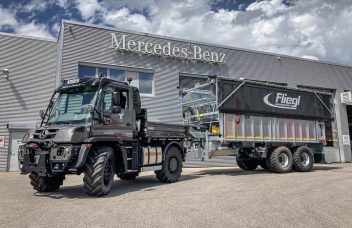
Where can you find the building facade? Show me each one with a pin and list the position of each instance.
(32, 68)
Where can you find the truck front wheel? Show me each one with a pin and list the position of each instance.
(171, 167)
(46, 184)
(99, 171)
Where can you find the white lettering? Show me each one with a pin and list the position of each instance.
(184, 53)
(117, 44)
(214, 57)
(146, 48)
(167, 49)
(176, 51)
(222, 57)
(206, 55)
(131, 45)
(140, 44)
(157, 49)
(197, 52)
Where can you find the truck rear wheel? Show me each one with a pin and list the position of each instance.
(171, 167)
(246, 164)
(46, 184)
(99, 171)
(303, 159)
(127, 176)
(281, 160)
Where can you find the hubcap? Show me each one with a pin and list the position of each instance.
(283, 159)
(304, 159)
(107, 172)
(173, 165)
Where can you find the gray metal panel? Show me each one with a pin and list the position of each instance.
(32, 65)
(91, 44)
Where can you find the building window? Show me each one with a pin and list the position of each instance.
(86, 71)
(142, 80)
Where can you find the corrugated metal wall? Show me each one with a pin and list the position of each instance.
(32, 65)
(91, 44)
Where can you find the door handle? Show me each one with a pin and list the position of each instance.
(128, 124)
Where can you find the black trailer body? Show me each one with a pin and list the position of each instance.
(265, 99)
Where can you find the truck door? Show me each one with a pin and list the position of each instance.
(118, 124)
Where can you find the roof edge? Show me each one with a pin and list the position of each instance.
(202, 43)
(28, 37)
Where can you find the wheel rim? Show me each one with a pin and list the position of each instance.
(283, 159)
(305, 159)
(107, 172)
(173, 163)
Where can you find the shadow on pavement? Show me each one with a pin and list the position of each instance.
(149, 183)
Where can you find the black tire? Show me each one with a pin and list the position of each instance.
(246, 164)
(99, 171)
(263, 164)
(281, 160)
(303, 159)
(46, 184)
(171, 167)
(127, 176)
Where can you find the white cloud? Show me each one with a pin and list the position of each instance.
(7, 18)
(88, 8)
(33, 29)
(315, 29)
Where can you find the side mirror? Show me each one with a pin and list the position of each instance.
(42, 114)
(116, 99)
(116, 109)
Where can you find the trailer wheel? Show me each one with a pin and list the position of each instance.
(99, 171)
(171, 167)
(46, 184)
(281, 160)
(246, 164)
(127, 176)
(303, 159)
(263, 164)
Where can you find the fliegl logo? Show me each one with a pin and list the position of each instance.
(282, 100)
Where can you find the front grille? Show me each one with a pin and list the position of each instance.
(44, 133)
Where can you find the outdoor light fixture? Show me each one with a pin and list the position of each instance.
(6, 73)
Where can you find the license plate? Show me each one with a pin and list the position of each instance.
(36, 159)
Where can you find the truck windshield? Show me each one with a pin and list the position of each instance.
(73, 105)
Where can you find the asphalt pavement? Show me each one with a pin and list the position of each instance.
(222, 196)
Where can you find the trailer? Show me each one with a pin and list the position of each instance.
(262, 124)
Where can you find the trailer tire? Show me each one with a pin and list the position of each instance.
(46, 184)
(263, 164)
(99, 171)
(171, 167)
(303, 159)
(281, 160)
(246, 164)
(127, 176)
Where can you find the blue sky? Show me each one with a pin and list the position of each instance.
(315, 29)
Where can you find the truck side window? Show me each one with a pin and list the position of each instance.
(107, 104)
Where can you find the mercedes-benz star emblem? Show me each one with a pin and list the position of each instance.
(42, 135)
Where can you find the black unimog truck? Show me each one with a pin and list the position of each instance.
(97, 127)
